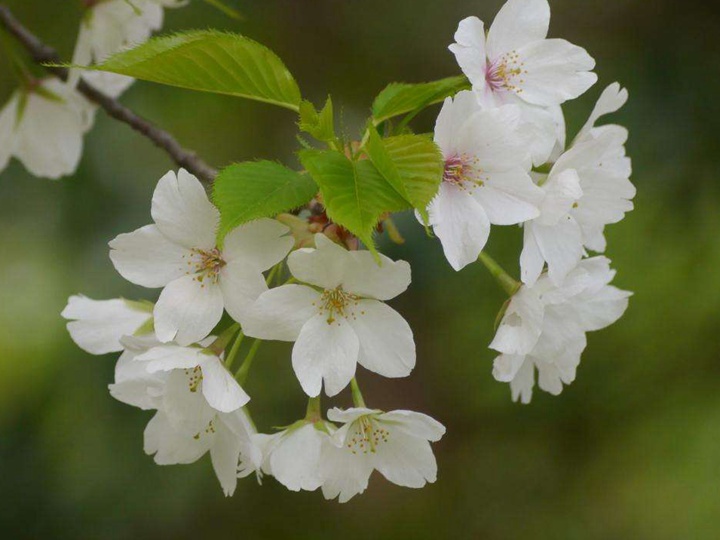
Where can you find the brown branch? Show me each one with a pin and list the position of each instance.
(44, 54)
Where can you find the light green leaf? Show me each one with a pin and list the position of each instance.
(355, 194)
(401, 98)
(320, 125)
(252, 190)
(411, 164)
(210, 61)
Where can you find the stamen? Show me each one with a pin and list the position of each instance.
(195, 377)
(367, 436)
(335, 302)
(463, 172)
(204, 264)
(505, 73)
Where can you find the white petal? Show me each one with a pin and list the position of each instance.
(521, 325)
(185, 406)
(555, 71)
(366, 278)
(327, 352)
(171, 447)
(460, 223)
(469, 50)
(414, 424)
(506, 366)
(347, 416)
(280, 313)
(521, 386)
(134, 385)
(454, 113)
(543, 130)
(509, 197)
(241, 285)
(531, 259)
(261, 244)
(518, 23)
(294, 461)
(225, 454)
(405, 460)
(167, 357)
(220, 388)
(561, 246)
(611, 100)
(188, 310)
(386, 340)
(146, 257)
(182, 211)
(494, 137)
(97, 325)
(562, 191)
(324, 266)
(344, 473)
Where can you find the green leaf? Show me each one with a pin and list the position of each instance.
(412, 165)
(401, 98)
(252, 190)
(210, 61)
(355, 194)
(320, 125)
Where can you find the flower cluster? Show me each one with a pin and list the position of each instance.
(506, 163)
(45, 120)
(332, 307)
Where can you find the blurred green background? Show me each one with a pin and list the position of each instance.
(631, 450)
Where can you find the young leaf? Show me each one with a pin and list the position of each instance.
(355, 194)
(252, 190)
(320, 125)
(210, 61)
(401, 98)
(411, 164)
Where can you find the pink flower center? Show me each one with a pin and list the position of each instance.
(462, 171)
(505, 74)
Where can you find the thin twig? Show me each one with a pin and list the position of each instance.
(44, 54)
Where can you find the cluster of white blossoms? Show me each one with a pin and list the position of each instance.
(332, 306)
(506, 163)
(45, 120)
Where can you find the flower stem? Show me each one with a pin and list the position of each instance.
(230, 360)
(313, 413)
(242, 373)
(272, 274)
(357, 396)
(221, 343)
(508, 284)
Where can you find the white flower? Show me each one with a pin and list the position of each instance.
(588, 188)
(397, 444)
(133, 384)
(108, 27)
(515, 60)
(43, 128)
(228, 437)
(198, 384)
(97, 326)
(486, 178)
(343, 323)
(544, 327)
(180, 253)
(294, 456)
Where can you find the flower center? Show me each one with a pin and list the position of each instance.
(505, 73)
(194, 378)
(462, 171)
(205, 264)
(209, 430)
(335, 302)
(367, 436)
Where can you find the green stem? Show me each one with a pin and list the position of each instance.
(242, 373)
(313, 413)
(221, 343)
(357, 396)
(508, 284)
(272, 274)
(230, 360)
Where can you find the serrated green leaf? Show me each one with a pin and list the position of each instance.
(401, 98)
(320, 125)
(210, 61)
(247, 191)
(412, 165)
(355, 194)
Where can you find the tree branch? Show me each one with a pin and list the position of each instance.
(43, 54)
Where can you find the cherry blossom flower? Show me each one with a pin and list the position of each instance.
(544, 327)
(344, 322)
(486, 178)
(110, 26)
(97, 326)
(180, 253)
(588, 188)
(294, 456)
(43, 127)
(396, 443)
(515, 60)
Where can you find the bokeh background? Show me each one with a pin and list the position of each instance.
(631, 450)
